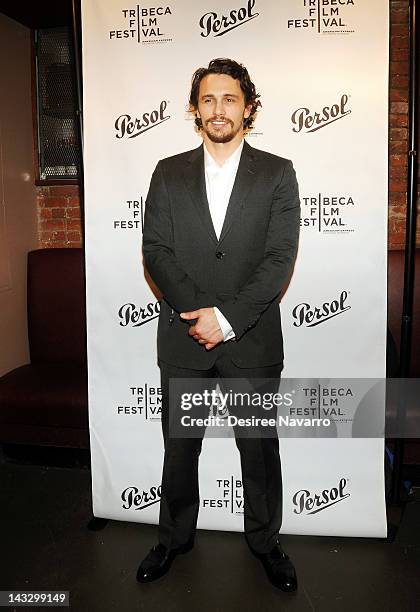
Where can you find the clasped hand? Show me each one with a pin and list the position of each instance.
(206, 329)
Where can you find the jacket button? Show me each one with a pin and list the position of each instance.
(220, 254)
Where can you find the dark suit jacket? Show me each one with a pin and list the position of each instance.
(242, 273)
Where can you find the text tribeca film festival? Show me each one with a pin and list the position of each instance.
(152, 24)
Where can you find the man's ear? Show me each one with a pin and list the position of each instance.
(247, 111)
(193, 110)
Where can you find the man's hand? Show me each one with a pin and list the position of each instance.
(206, 330)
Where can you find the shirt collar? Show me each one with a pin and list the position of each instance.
(210, 162)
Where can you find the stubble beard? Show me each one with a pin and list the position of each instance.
(220, 138)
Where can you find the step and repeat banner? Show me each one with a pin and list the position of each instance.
(321, 67)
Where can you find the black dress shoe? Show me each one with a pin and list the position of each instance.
(280, 570)
(159, 561)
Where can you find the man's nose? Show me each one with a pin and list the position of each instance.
(220, 107)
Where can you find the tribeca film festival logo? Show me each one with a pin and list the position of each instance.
(145, 401)
(306, 502)
(213, 24)
(126, 125)
(305, 121)
(306, 315)
(144, 25)
(323, 402)
(132, 497)
(327, 214)
(134, 316)
(230, 497)
(324, 17)
(135, 209)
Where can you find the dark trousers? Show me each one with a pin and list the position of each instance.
(260, 463)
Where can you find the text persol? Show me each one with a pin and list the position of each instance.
(314, 503)
(212, 23)
(312, 316)
(131, 496)
(126, 125)
(303, 119)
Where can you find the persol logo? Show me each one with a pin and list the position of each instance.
(131, 315)
(125, 125)
(304, 120)
(307, 503)
(310, 316)
(217, 25)
(132, 497)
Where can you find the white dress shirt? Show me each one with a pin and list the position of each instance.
(219, 184)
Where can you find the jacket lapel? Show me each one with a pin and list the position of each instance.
(243, 182)
(196, 183)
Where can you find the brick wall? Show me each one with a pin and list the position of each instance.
(59, 223)
(398, 124)
(58, 207)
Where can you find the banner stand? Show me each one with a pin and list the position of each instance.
(133, 115)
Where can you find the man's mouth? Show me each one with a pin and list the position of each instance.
(219, 122)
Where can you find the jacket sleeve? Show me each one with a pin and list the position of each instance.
(178, 289)
(265, 283)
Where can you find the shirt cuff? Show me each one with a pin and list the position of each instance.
(224, 325)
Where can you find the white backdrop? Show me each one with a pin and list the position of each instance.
(322, 72)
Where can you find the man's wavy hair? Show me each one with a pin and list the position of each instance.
(236, 71)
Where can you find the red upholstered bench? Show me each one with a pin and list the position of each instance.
(45, 402)
(395, 302)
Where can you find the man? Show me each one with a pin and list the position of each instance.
(220, 237)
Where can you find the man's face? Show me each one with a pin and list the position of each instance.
(221, 107)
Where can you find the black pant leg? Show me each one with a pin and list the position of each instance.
(180, 499)
(260, 464)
